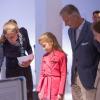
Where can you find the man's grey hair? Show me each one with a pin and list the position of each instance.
(69, 9)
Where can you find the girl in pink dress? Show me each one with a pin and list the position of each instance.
(53, 69)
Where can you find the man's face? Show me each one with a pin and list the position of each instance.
(69, 20)
(96, 17)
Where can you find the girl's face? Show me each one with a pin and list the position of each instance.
(11, 37)
(47, 46)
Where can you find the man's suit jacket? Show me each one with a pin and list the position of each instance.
(85, 56)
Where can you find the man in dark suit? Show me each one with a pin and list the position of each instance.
(96, 32)
(85, 54)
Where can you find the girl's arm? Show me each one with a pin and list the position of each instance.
(63, 70)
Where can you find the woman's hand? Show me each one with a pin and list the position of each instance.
(26, 63)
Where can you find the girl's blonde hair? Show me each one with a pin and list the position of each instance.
(50, 38)
(8, 27)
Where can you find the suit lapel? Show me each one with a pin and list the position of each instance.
(72, 38)
(82, 35)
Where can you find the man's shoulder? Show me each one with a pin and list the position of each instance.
(88, 26)
(88, 23)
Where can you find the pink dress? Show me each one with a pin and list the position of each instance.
(53, 75)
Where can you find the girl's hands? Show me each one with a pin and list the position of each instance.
(60, 97)
(40, 96)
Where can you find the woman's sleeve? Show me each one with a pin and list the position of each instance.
(1, 55)
(28, 46)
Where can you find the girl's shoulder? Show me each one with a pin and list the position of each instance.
(60, 53)
(56, 53)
